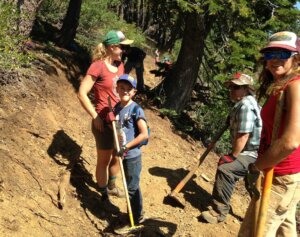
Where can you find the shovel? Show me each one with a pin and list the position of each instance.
(133, 228)
(173, 195)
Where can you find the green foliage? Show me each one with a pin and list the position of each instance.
(176, 49)
(213, 6)
(178, 120)
(239, 29)
(96, 19)
(53, 11)
(169, 113)
(211, 117)
(11, 54)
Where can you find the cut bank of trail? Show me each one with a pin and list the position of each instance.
(45, 138)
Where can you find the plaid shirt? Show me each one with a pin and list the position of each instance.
(245, 118)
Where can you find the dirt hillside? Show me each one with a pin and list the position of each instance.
(45, 138)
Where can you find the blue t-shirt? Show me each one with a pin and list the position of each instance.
(127, 118)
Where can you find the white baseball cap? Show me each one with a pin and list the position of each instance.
(283, 40)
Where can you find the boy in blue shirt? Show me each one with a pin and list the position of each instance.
(132, 130)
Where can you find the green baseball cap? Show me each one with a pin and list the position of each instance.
(115, 37)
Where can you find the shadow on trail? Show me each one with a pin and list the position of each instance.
(192, 192)
(151, 227)
(66, 152)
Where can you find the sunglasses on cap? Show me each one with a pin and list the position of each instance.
(278, 55)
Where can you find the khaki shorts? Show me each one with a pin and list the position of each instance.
(104, 140)
(281, 220)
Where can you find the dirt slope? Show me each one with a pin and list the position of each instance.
(45, 137)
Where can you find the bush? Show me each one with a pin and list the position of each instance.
(11, 54)
(211, 118)
(53, 11)
(96, 18)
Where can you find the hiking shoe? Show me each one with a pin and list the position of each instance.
(115, 192)
(141, 219)
(127, 229)
(211, 216)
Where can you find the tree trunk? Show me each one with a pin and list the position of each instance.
(121, 10)
(179, 85)
(144, 12)
(27, 10)
(126, 10)
(71, 21)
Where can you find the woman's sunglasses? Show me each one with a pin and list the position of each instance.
(278, 55)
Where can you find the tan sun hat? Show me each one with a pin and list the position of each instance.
(241, 79)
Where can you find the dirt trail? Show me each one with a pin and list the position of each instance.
(45, 134)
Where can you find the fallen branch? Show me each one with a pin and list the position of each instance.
(63, 182)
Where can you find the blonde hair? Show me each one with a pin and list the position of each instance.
(269, 86)
(99, 53)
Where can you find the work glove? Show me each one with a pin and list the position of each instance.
(123, 151)
(110, 117)
(226, 159)
(251, 179)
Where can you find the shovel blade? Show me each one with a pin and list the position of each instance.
(174, 201)
(129, 230)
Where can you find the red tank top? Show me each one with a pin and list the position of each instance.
(104, 86)
(291, 164)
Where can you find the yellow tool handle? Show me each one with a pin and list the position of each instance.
(121, 166)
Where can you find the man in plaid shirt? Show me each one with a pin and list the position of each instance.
(245, 129)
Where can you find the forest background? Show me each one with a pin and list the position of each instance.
(208, 41)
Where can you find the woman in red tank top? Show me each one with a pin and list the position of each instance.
(281, 72)
(101, 77)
